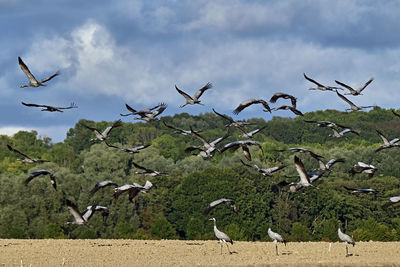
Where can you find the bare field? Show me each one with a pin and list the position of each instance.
(107, 252)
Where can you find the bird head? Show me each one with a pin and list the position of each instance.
(212, 219)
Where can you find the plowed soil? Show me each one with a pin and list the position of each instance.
(101, 252)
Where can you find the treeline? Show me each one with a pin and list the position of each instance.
(174, 206)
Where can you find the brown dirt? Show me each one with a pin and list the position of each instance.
(103, 252)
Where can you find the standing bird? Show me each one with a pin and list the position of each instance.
(319, 85)
(249, 102)
(353, 91)
(390, 202)
(102, 184)
(386, 142)
(276, 96)
(147, 171)
(276, 238)
(265, 172)
(215, 203)
(104, 135)
(352, 105)
(195, 99)
(244, 145)
(32, 80)
(50, 108)
(42, 172)
(73, 209)
(222, 237)
(25, 159)
(346, 239)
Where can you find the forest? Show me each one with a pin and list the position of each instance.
(173, 208)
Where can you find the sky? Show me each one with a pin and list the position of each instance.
(114, 52)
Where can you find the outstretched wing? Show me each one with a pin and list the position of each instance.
(25, 69)
(33, 105)
(141, 167)
(313, 81)
(346, 86)
(345, 99)
(17, 152)
(301, 170)
(186, 96)
(365, 85)
(50, 77)
(202, 90)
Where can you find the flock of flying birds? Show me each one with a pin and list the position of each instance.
(208, 148)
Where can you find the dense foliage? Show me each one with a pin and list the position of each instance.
(174, 206)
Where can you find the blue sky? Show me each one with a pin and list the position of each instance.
(116, 52)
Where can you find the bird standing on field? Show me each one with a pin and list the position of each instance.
(346, 239)
(222, 237)
(276, 238)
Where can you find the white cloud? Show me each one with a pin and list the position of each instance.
(56, 133)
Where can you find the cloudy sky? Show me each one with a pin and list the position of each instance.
(114, 52)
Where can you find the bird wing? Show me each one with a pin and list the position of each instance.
(133, 192)
(296, 111)
(122, 189)
(88, 213)
(33, 105)
(75, 212)
(313, 81)
(301, 170)
(69, 107)
(216, 203)
(345, 99)
(223, 116)
(384, 139)
(140, 167)
(243, 105)
(160, 110)
(333, 161)
(346, 86)
(205, 142)
(50, 77)
(202, 90)
(220, 139)
(130, 108)
(17, 152)
(172, 127)
(109, 128)
(31, 176)
(186, 96)
(101, 185)
(365, 85)
(396, 114)
(245, 164)
(273, 169)
(25, 69)
(232, 145)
